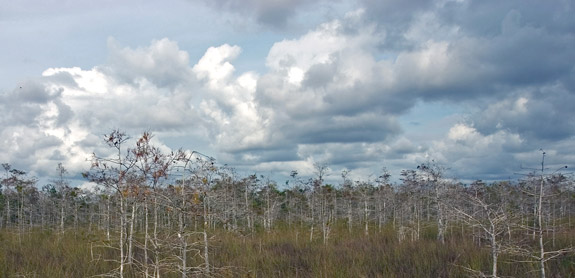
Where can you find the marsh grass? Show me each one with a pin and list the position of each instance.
(43, 253)
(280, 253)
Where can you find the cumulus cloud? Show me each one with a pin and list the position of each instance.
(230, 108)
(461, 50)
(544, 115)
(33, 117)
(60, 116)
(472, 155)
(215, 66)
(320, 88)
(162, 63)
(334, 94)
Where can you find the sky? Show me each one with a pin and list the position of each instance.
(267, 87)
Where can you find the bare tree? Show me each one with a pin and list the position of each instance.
(315, 201)
(483, 209)
(432, 178)
(348, 193)
(541, 182)
(20, 188)
(63, 187)
(113, 172)
(384, 197)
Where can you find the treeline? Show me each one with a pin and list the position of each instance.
(158, 211)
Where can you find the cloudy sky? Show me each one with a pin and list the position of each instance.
(275, 86)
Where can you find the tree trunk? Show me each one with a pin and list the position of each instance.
(206, 257)
(131, 235)
(440, 217)
(8, 214)
(122, 232)
(494, 250)
(146, 238)
(62, 218)
(540, 230)
(349, 215)
(155, 239)
(366, 219)
(108, 219)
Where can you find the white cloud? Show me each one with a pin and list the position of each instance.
(462, 132)
(162, 63)
(331, 94)
(228, 102)
(146, 88)
(215, 66)
(473, 155)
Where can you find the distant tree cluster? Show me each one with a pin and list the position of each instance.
(158, 209)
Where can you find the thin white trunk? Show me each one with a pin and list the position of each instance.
(146, 239)
(75, 215)
(62, 218)
(131, 235)
(540, 230)
(155, 239)
(8, 214)
(206, 257)
(494, 250)
(182, 233)
(311, 233)
(366, 215)
(122, 231)
(440, 217)
(247, 204)
(349, 215)
(108, 219)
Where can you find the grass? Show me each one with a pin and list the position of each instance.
(43, 253)
(279, 253)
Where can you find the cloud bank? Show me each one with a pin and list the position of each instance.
(336, 94)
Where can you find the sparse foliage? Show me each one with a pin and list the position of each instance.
(180, 214)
